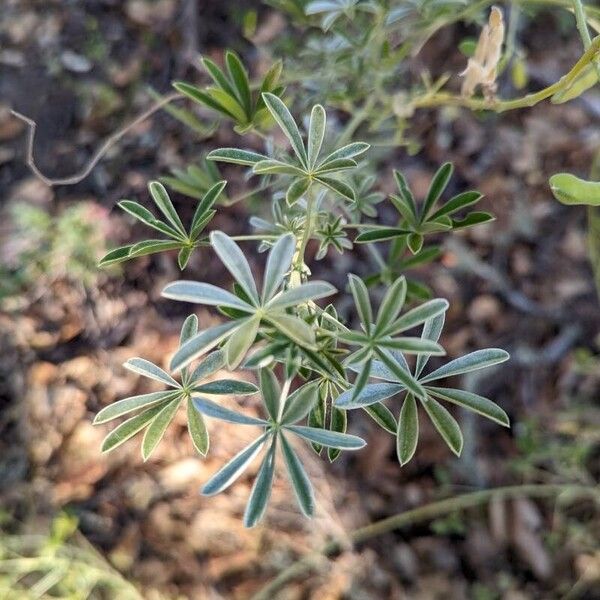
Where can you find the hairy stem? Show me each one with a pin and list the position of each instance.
(423, 513)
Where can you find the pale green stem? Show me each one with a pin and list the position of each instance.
(424, 513)
(582, 27)
(499, 106)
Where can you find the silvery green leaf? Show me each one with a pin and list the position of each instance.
(225, 476)
(211, 364)
(240, 78)
(337, 186)
(316, 132)
(455, 204)
(432, 329)
(382, 415)
(335, 166)
(287, 124)
(197, 429)
(129, 428)
(272, 166)
(469, 362)
(188, 329)
(204, 293)
(299, 479)
(232, 387)
(418, 315)
(201, 343)
(271, 393)
(145, 216)
(116, 256)
(240, 341)
(380, 371)
(293, 328)
(473, 402)
(372, 393)
(330, 439)
(297, 190)
(127, 405)
(200, 96)
(279, 263)
(235, 262)
(156, 430)
(261, 490)
(152, 247)
(361, 300)
(218, 76)
(183, 257)
(446, 425)
(144, 367)
(162, 200)
(410, 345)
(236, 156)
(313, 290)
(348, 151)
(338, 421)
(391, 305)
(216, 411)
(299, 403)
(361, 380)
(408, 430)
(436, 189)
(402, 375)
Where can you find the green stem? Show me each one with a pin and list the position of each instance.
(582, 27)
(417, 515)
(499, 106)
(298, 260)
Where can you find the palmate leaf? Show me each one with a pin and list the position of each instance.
(281, 424)
(231, 94)
(181, 240)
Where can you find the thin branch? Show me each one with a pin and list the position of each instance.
(499, 106)
(417, 515)
(110, 141)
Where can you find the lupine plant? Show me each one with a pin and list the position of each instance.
(314, 367)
